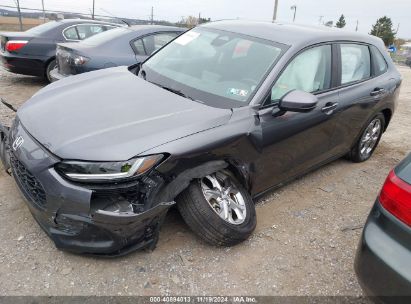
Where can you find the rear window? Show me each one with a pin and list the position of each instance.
(106, 36)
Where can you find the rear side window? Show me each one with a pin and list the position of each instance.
(150, 44)
(71, 33)
(355, 63)
(310, 71)
(380, 65)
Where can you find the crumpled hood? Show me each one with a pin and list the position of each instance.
(111, 115)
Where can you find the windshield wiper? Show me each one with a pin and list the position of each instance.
(177, 92)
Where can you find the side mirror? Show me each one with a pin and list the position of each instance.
(298, 101)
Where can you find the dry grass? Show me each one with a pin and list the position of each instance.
(12, 23)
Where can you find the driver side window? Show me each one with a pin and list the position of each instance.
(310, 71)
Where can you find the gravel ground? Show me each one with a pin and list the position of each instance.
(304, 244)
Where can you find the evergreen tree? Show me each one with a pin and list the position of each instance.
(383, 29)
(341, 22)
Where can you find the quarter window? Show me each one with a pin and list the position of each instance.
(151, 43)
(139, 45)
(71, 33)
(310, 71)
(380, 65)
(355, 63)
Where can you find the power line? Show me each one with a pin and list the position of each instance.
(64, 12)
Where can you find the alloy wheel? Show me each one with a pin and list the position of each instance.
(370, 138)
(224, 198)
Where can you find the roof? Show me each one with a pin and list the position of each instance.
(156, 28)
(290, 34)
(85, 21)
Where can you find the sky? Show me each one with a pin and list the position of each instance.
(308, 11)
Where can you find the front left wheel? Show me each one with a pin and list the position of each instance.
(218, 209)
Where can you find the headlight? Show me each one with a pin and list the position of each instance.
(107, 171)
(80, 60)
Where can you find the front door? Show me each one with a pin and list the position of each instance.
(293, 143)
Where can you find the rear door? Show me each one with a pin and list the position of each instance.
(364, 82)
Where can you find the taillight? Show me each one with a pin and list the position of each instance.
(395, 197)
(15, 45)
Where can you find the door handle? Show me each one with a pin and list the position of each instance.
(377, 92)
(329, 107)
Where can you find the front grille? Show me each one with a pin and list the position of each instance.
(31, 187)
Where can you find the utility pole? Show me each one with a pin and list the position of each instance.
(294, 7)
(44, 12)
(152, 15)
(356, 28)
(275, 10)
(398, 28)
(92, 15)
(18, 10)
(320, 20)
(199, 18)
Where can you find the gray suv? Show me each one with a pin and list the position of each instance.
(219, 116)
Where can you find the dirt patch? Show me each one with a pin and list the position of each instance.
(304, 244)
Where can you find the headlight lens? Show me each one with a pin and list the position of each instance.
(107, 171)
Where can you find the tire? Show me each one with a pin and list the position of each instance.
(357, 153)
(50, 66)
(203, 219)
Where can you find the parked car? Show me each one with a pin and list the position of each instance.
(219, 116)
(33, 52)
(122, 46)
(383, 261)
(408, 61)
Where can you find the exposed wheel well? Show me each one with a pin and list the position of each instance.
(387, 115)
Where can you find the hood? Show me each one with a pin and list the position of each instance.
(112, 115)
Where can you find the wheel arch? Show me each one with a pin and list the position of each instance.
(183, 180)
(387, 115)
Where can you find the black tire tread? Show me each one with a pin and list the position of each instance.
(206, 224)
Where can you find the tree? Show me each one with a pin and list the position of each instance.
(192, 21)
(341, 22)
(204, 20)
(383, 29)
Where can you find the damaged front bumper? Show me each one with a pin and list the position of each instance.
(107, 220)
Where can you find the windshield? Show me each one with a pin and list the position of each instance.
(105, 36)
(219, 68)
(42, 28)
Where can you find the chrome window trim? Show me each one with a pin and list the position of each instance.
(74, 25)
